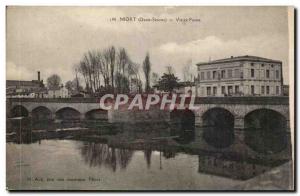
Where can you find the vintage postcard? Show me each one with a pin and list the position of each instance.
(172, 98)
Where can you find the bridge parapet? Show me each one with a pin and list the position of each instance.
(256, 100)
(253, 100)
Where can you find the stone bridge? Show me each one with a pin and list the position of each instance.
(54, 106)
(238, 112)
(239, 107)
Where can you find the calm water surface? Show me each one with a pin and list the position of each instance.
(69, 164)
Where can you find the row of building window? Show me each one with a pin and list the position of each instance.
(267, 73)
(262, 65)
(217, 75)
(237, 74)
(264, 90)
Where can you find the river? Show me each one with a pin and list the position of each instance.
(69, 164)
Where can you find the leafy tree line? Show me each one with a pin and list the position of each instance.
(112, 70)
(109, 70)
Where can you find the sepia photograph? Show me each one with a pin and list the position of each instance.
(150, 98)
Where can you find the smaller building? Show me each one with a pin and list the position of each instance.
(285, 90)
(26, 89)
(135, 86)
(80, 94)
(59, 92)
(187, 88)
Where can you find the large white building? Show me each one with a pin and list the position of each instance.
(240, 76)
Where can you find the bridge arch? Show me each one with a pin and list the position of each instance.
(67, 113)
(97, 114)
(265, 131)
(183, 124)
(41, 113)
(19, 110)
(218, 127)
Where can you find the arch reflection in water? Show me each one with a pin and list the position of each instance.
(266, 131)
(98, 155)
(218, 127)
(234, 168)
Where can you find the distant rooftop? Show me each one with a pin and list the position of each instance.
(23, 83)
(239, 58)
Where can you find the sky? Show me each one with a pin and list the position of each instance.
(54, 39)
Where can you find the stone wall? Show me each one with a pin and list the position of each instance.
(153, 115)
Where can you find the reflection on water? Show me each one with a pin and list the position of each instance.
(97, 154)
(140, 159)
(236, 169)
(121, 168)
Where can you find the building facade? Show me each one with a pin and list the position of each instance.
(240, 76)
(21, 88)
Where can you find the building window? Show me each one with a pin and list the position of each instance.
(277, 74)
(237, 89)
(272, 65)
(262, 65)
(202, 75)
(268, 89)
(252, 64)
(267, 73)
(252, 89)
(223, 74)
(208, 90)
(262, 90)
(214, 90)
(223, 90)
(208, 75)
(252, 73)
(236, 73)
(229, 73)
(277, 90)
(262, 74)
(230, 90)
(214, 74)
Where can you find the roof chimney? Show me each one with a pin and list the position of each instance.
(231, 57)
(39, 76)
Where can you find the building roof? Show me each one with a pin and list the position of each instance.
(35, 83)
(240, 58)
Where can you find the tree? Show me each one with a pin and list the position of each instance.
(73, 86)
(147, 70)
(53, 81)
(112, 57)
(168, 82)
(69, 86)
(154, 78)
(110, 67)
(170, 69)
(187, 70)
